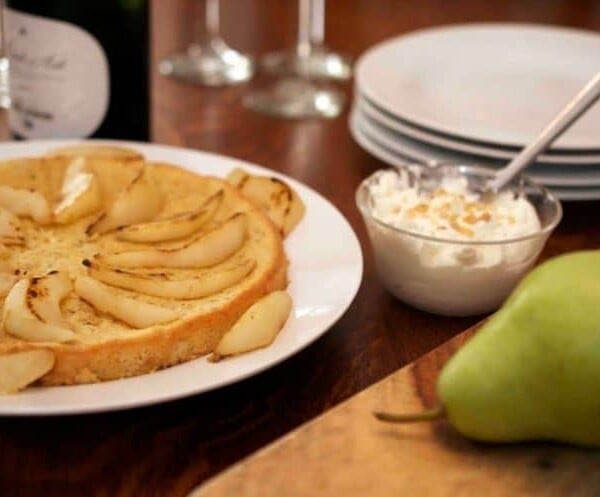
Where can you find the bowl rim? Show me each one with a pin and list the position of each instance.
(486, 171)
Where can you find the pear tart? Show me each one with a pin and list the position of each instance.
(112, 266)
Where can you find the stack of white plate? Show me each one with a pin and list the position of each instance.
(477, 94)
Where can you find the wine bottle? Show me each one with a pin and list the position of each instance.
(78, 68)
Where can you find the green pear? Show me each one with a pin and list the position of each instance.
(532, 372)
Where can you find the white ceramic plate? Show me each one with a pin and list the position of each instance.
(577, 194)
(393, 158)
(451, 143)
(495, 83)
(325, 273)
(422, 152)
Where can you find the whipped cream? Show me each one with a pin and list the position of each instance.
(441, 261)
(451, 211)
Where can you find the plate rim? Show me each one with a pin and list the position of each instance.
(450, 28)
(551, 180)
(388, 157)
(162, 397)
(455, 143)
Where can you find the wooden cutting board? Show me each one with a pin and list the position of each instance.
(347, 453)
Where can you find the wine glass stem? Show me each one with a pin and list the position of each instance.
(317, 32)
(212, 19)
(306, 30)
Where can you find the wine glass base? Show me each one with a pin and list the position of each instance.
(296, 98)
(320, 63)
(210, 64)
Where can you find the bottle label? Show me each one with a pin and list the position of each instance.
(59, 78)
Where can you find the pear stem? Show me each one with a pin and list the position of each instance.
(436, 412)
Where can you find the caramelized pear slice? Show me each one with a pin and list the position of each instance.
(26, 203)
(237, 176)
(131, 311)
(20, 369)
(44, 296)
(7, 281)
(175, 227)
(275, 197)
(10, 229)
(208, 249)
(258, 326)
(162, 285)
(7, 277)
(140, 201)
(19, 321)
(80, 193)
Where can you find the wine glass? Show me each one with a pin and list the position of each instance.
(321, 63)
(209, 61)
(300, 95)
(4, 64)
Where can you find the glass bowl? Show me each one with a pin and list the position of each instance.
(455, 277)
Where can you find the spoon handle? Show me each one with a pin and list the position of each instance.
(582, 102)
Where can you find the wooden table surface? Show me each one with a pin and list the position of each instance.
(168, 449)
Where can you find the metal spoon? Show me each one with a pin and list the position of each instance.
(588, 95)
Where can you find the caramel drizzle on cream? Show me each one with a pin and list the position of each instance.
(459, 214)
